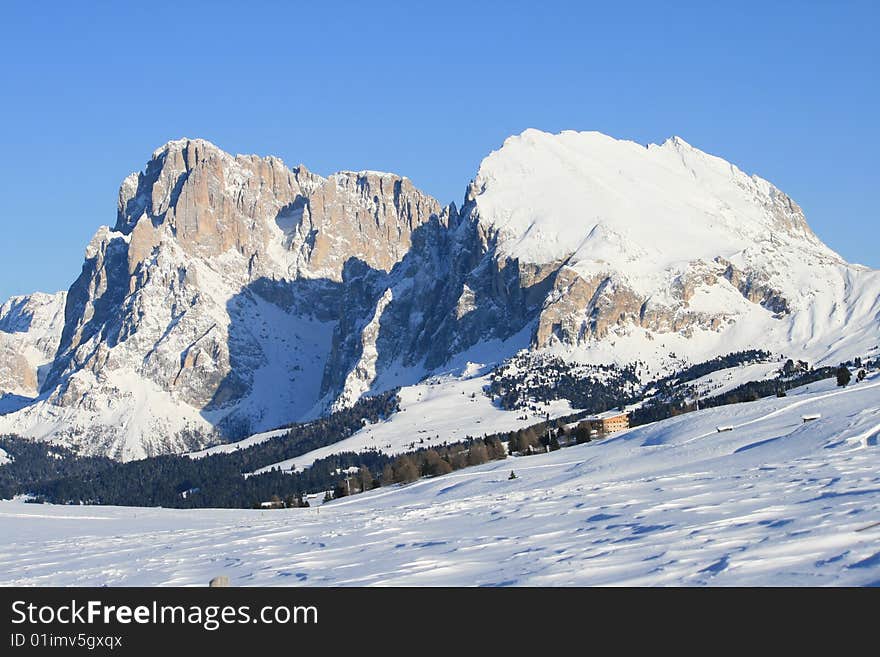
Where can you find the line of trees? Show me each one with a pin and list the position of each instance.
(430, 462)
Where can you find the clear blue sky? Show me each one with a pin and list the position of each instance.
(787, 90)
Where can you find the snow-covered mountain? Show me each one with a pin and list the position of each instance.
(213, 299)
(670, 245)
(235, 294)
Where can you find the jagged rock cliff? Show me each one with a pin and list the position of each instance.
(235, 294)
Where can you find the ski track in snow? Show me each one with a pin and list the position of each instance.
(774, 502)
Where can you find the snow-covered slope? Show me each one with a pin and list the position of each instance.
(441, 409)
(726, 380)
(773, 502)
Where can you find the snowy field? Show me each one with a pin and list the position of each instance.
(773, 502)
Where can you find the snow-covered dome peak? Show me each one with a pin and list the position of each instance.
(544, 194)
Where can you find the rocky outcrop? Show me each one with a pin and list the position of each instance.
(755, 287)
(30, 330)
(18, 374)
(584, 309)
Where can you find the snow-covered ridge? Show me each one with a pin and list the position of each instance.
(668, 239)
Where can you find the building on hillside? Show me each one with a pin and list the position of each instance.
(606, 423)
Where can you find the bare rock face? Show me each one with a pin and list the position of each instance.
(17, 373)
(584, 309)
(367, 215)
(567, 310)
(213, 203)
(755, 287)
(30, 329)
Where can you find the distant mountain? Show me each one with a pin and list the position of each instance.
(234, 294)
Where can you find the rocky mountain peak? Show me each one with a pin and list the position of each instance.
(211, 202)
(215, 294)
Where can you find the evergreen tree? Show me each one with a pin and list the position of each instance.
(843, 376)
(582, 433)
